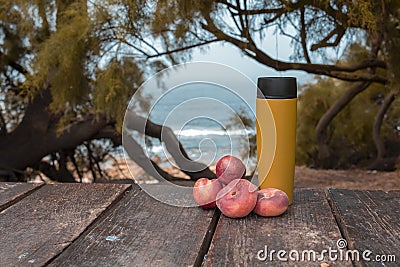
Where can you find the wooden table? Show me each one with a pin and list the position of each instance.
(120, 225)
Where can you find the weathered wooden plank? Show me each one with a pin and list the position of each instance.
(41, 225)
(369, 220)
(307, 226)
(141, 231)
(12, 192)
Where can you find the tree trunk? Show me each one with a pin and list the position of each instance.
(330, 114)
(195, 170)
(379, 163)
(135, 152)
(62, 174)
(36, 136)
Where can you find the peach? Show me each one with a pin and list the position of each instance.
(205, 192)
(271, 202)
(237, 199)
(229, 168)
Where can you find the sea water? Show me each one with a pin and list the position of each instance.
(209, 121)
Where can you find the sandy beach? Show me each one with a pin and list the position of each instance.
(304, 177)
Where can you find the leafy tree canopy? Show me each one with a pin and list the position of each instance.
(68, 68)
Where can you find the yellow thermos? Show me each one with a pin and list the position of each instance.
(276, 111)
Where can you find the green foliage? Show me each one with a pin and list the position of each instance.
(392, 45)
(178, 23)
(312, 104)
(113, 85)
(61, 60)
(181, 13)
(93, 55)
(362, 13)
(349, 134)
(68, 45)
(90, 56)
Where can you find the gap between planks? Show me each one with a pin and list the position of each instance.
(20, 197)
(205, 246)
(339, 221)
(185, 234)
(369, 211)
(104, 213)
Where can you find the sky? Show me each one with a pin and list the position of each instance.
(276, 46)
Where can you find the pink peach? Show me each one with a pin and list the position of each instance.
(237, 199)
(229, 168)
(205, 192)
(271, 202)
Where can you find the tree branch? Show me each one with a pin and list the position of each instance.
(135, 152)
(3, 126)
(109, 132)
(13, 64)
(251, 11)
(91, 160)
(48, 170)
(73, 160)
(245, 31)
(303, 36)
(61, 174)
(43, 138)
(339, 32)
(330, 114)
(340, 72)
(379, 144)
(169, 52)
(142, 125)
(234, 20)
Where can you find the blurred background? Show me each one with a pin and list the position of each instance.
(68, 70)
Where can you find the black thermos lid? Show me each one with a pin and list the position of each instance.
(277, 87)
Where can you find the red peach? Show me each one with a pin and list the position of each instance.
(229, 168)
(205, 192)
(237, 199)
(271, 202)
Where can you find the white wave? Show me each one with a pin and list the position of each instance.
(205, 132)
(156, 149)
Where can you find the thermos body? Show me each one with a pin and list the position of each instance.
(276, 134)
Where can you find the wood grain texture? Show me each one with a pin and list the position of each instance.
(307, 225)
(41, 225)
(369, 220)
(141, 231)
(12, 192)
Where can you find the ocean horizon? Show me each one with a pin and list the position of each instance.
(210, 121)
